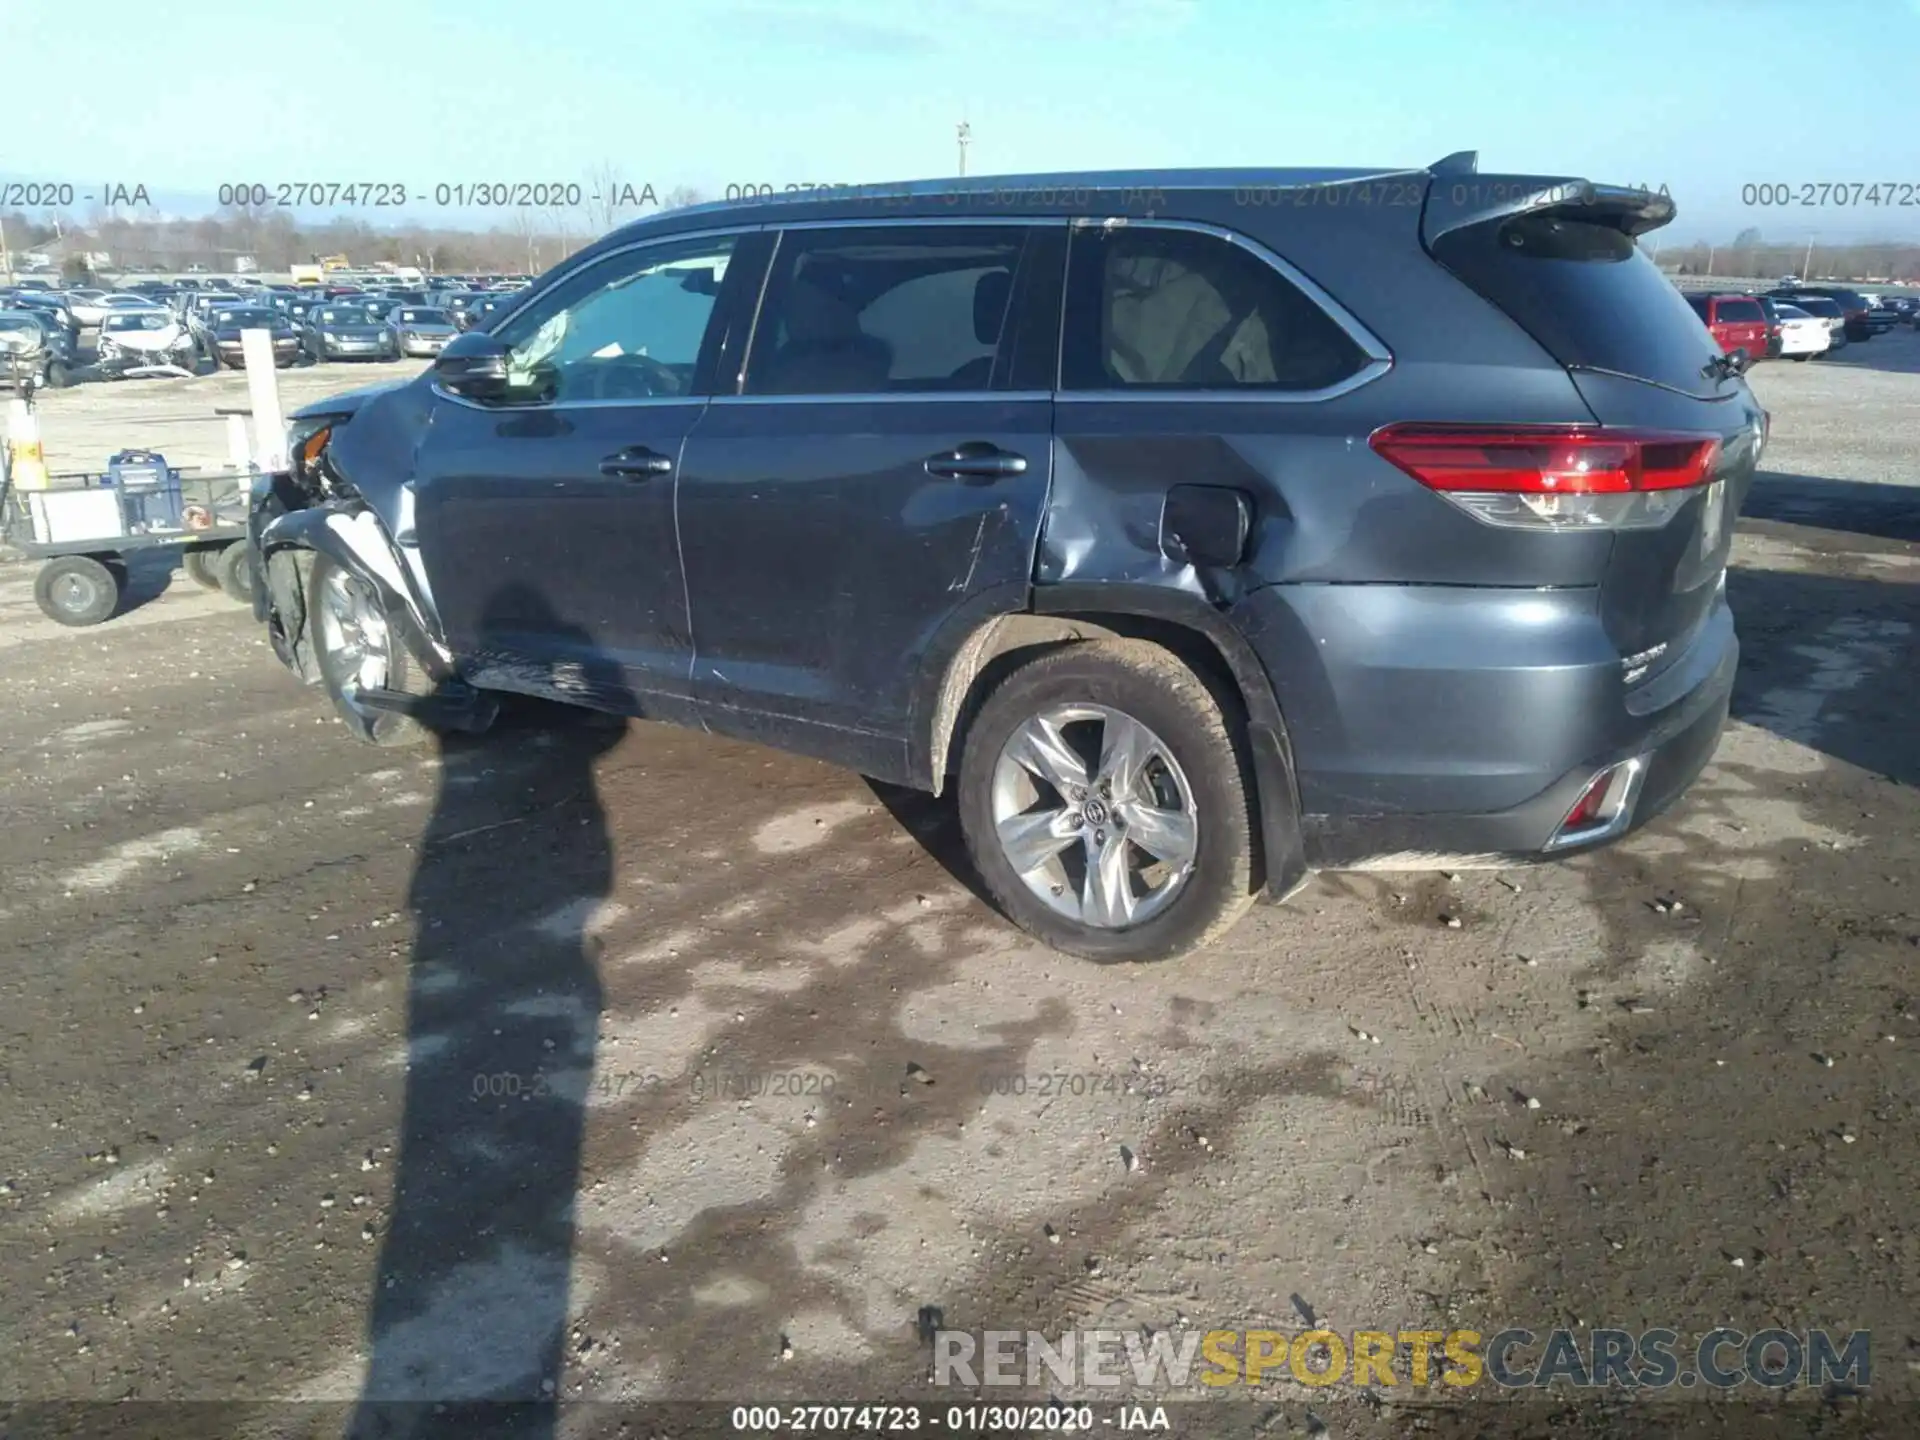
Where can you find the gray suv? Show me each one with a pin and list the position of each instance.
(1194, 530)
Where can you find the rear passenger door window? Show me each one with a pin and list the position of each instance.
(1152, 308)
(885, 310)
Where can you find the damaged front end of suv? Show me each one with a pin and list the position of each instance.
(339, 583)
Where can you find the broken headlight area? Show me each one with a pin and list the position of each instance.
(307, 462)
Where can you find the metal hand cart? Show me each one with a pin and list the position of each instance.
(85, 526)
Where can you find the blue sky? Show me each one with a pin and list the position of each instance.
(1696, 95)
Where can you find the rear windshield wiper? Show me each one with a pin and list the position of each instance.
(1725, 367)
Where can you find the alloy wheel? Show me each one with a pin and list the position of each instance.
(1095, 815)
(356, 639)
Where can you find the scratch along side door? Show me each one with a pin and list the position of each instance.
(875, 488)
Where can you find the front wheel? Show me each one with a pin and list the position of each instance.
(1105, 800)
(358, 651)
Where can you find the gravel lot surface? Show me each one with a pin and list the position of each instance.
(611, 1061)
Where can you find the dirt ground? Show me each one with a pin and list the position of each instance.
(615, 1062)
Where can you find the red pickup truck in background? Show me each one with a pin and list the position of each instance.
(1737, 322)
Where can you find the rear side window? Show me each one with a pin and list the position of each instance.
(883, 309)
(1702, 306)
(1151, 308)
(1742, 312)
(1587, 294)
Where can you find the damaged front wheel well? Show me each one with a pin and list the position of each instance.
(287, 571)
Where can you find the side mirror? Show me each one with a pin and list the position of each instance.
(474, 366)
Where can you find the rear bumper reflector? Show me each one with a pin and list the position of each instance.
(1605, 806)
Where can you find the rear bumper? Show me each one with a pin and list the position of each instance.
(1408, 741)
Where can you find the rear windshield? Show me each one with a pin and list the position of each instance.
(1588, 294)
(1741, 312)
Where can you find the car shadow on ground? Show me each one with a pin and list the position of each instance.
(1857, 507)
(466, 1320)
(1830, 687)
(150, 574)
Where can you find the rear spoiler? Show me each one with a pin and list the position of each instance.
(1460, 196)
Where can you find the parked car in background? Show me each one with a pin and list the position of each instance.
(965, 510)
(1882, 317)
(227, 324)
(55, 309)
(32, 352)
(1775, 340)
(421, 329)
(459, 305)
(481, 313)
(121, 301)
(153, 336)
(299, 307)
(1802, 335)
(85, 305)
(1853, 305)
(1737, 322)
(1829, 311)
(342, 330)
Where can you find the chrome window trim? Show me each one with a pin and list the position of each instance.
(885, 397)
(1379, 358)
(995, 221)
(648, 243)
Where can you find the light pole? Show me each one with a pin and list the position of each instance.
(965, 134)
(1806, 265)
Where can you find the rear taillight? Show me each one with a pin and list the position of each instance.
(1554, 477)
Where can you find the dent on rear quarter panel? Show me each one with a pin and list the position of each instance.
(1110, 529)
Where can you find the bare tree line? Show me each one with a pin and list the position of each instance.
(1749, 254)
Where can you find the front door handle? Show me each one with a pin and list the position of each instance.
(636, 462)
(976, 460)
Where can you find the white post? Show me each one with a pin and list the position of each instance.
(239, 447)
(263, 389)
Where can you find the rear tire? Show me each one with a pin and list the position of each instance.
(199, 566)
(77, 590)
(1802, 357)
(234, 569)
(354, 648)
(1185, 790)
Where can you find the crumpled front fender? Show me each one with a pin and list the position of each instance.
(354, 539)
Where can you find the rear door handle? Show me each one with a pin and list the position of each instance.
(636, 462)
(976, 460)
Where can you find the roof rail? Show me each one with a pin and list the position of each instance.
(1460, 162)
